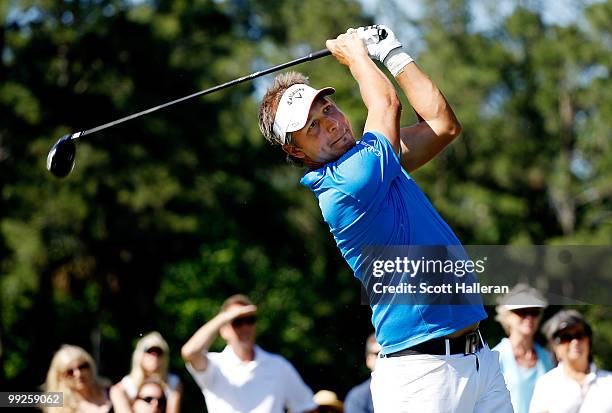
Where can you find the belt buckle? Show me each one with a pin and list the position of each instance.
(471, 343)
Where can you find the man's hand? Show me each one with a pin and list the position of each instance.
(378, 46)
(377, 92)
(236, 312)
(347, 48)
(193, 352)
(386, 49)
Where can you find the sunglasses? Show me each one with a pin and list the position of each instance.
(155, 350)
(71, 372)
(526, 312)
(237, 322)
(564, 338)
(161, 401)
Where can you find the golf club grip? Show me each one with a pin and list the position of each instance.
(309, 57)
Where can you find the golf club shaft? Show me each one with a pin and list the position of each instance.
(311, 56)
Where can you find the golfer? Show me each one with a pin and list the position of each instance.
(433, 358)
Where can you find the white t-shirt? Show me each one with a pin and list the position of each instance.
(172, 381)
(555, 392)
(267, 384)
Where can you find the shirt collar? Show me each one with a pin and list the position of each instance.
(589, 378)
(228, 352)
(312, 178)
(592, 374)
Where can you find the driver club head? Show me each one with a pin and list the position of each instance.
(60, 160)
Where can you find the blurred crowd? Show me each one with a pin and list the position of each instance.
(243, 377)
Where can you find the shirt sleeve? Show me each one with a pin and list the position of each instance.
(356, 402)
(368, 173)
(206, 377)
(299, 397)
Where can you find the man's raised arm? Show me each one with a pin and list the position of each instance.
(195, 349)
(437, 125)
(376, 90)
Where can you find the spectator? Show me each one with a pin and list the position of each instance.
(576, 385)
(328, 402)
(243, 377)
(521, 359)
(149, 360)
(151, 397)
(359, 398)
(73, 372)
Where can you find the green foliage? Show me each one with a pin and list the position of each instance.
(165, 216)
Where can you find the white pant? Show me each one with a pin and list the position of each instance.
(427, 383)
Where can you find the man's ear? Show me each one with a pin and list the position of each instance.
(294, 151)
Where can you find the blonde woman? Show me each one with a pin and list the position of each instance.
(73, 372)
(149, 360)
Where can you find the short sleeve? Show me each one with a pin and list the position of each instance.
(206, 377)
(299, 397)
(367, 174)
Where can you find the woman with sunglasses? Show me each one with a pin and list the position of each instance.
(576, 385)
(151, 397)
(73, 372)
(521, 359)
(149, 361)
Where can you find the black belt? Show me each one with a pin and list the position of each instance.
(468, 343)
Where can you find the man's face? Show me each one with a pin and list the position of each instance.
(326, 136)
(241, 331)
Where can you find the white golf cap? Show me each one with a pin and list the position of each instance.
(293, 108)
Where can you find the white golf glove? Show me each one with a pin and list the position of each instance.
(386, 49)
(379, 40)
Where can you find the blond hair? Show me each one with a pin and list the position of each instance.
(501, 317)
(56, 376)
(153, 339)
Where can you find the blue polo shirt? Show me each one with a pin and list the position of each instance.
(368, 199)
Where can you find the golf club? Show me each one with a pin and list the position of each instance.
(61, 157)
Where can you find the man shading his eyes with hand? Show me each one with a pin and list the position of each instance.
(243, 377)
